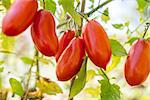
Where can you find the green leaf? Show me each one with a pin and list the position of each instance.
(80, 80)
(49, 87)
(6, 3)
(16, 86)
(27, 60)
(109, 91)
(117, 26)
(1, 62)
(49, 5)
(92, 1)
(126, 23)
(43, 60)
(7, 43)
(1, 69)
(105, 16)
(130, 41)
(90, 75)
(68, 6)
(115, 62)
(93, 91)
(117, 48)
(141, 5)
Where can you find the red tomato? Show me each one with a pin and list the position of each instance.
(64, 41)
(137, 66)
(97, 43)
(19, 17)
(71, 60)
(44, 33)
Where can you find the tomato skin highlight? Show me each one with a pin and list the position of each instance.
(97, 43)
(19, 17)
(137, 66)
(43, 33)
(71, 60)
(64, 42)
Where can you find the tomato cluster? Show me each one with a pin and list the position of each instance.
(70, 50)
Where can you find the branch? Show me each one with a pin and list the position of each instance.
(139, 25)
(29, 76)
(99, 6)
(146, 29)
(37, 66)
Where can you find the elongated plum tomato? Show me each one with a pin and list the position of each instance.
(71, 60)
(96, 43)
(44, 33)
(137, 66)
(19, 17)
(64, 41)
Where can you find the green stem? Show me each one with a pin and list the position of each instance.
(146, 29)
(82, 11)
(104, 74)
(83, 16)
(43, 4)
(37, 66)
(29, 76)
(80, 28)
(99, 6)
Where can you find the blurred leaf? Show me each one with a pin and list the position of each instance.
(109, 91)
(68, 6)
(105, 16)
(49, 5)
(117, 26)
(49, 87)
(1, 62)
(117, 48)
(92, 1)
(115, 62)
(7, 43)
(6, 3)
(16, 86)
(141, 5)
(80, 80)
(147, 11)
(130, 41)
(1, 69)
(7, 52)
(77, 1)
(43, 60)
(93, 91)
(145, 98)
(90, 75)
(27, 60)
(1, 86)
(127, 23)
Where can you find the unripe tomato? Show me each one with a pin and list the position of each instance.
(137, 66)
(64, 41)
(97, 44)
(71, 60)
(44, 33)
(19, 17)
